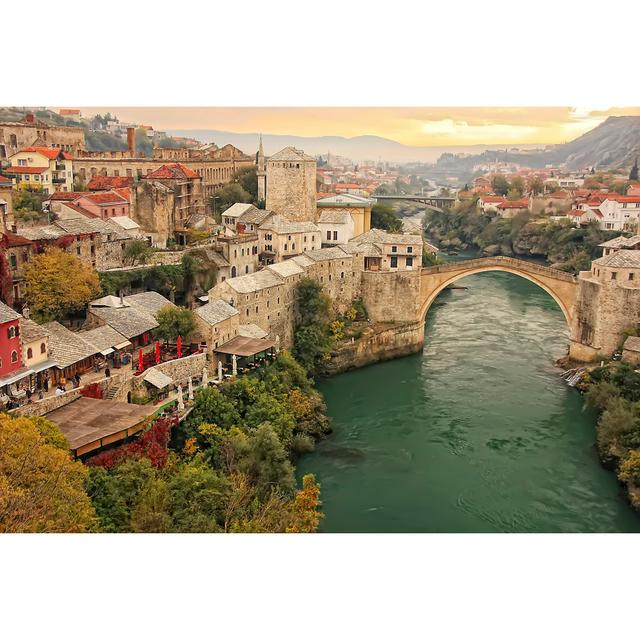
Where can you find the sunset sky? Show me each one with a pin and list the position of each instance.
(419, 126)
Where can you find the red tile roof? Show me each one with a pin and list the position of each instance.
(67, 195)
(106, 183)
(176, 171)
(20, 170)
(493, 199)
(6, 181)
(48, 152)
(344, 185)
(514, 204)
(104, 197)
(14, 240)
(559, 194)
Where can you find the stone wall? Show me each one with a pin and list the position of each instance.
(382, 342)
(391, 296)
(603, 311)
(179, 370)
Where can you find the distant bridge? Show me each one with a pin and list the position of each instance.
(437, 203)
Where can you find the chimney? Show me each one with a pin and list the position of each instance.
(131, 141)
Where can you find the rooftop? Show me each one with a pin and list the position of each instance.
(7, 314)
(344, 200)
(286, 268)
(67, 347)
(621, 242)
(623, 259)
(254, 281)
(87, 421)
(31, 330)
(175, 171)
(280, 224)
(383, 237)
(104, 338)
(237, 209)
(291, 154)
(217, 311)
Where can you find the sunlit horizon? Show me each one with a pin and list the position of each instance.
(413, 126)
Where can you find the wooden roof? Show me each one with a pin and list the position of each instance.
(243, 346)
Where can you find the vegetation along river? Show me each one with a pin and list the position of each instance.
(477, 433)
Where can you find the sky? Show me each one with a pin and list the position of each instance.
(416, 126)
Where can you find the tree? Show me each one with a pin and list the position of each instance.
(536, 185)
(630, 468)
(633, 174)
(231, 193)
(517, 187)
(173, 322)
(500, 185)
(42, 490)
(144, 147)
(305, 511)
(58, 283)
(312, 336)
(247, 178)
(138, 251)
(383, 217)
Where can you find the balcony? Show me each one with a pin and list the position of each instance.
(58, 180)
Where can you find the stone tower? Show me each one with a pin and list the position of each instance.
(291, 185)
(262, 174)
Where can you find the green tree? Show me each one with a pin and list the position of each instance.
(247, 178)
(231, 193)
(633, 174)
(536, 185)
(500, 185)
(517, 187)
(138, 252)
(383, 217)
(312, 336)
(211, 406)
(173, 322)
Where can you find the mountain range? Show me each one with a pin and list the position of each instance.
(613, 143)
(358, 148)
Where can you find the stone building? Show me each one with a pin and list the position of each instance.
(342, 217)
(217, 322)
(281, 238)
(6, 204)
(240, 252)
(382, 251)
(631, 350)
(167, 203)
(291, 185)
(32, 132)
(18, 250)
(215, 167)
(607, 304)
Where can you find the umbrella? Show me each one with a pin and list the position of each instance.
(179, 346)
(157, 352)
(140, 361)
(180, 398)
(190, 393)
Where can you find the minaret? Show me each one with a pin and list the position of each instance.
(262, 174)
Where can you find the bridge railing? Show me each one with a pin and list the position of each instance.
(500, 261)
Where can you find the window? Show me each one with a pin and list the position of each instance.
(409, 261)
(14, 262)
(43, 348)
(394, 249)
(328, 235)
(409, 249)
(394, 262)
(14, 356)
(335, 235)
(246, 269)
(631, 276)
(614, 275)
(11, 332)
(29, 353)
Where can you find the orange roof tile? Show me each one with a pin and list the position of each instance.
(176, 171)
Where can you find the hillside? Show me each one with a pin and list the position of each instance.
(613, 143)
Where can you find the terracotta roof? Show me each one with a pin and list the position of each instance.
(4, 179)
(67, 195)
(105, 183)
(15, 240)
(25, 170)
(48, 152)
(513, 204)
(174, 171)
(104, 197)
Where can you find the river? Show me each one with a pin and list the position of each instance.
(475, 434)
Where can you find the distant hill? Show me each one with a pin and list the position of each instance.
(358, 148)
(613, 143)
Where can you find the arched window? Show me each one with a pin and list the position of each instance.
(233, 272)
(29, 353)
(11, 332)
(43, 348)
(14, 356)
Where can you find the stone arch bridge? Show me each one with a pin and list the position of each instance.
(562, 286)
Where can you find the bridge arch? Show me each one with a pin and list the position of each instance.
(561, 286)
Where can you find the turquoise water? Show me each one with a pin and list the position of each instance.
(475, 434)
